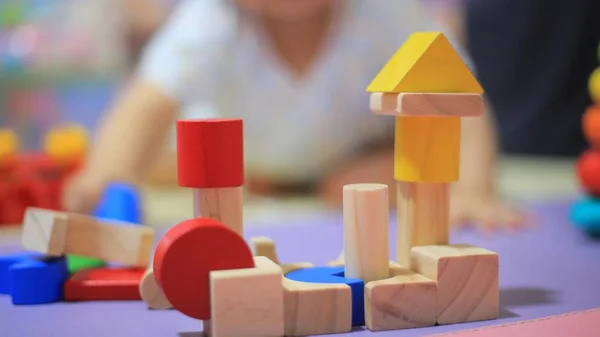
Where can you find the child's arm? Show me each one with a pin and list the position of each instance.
(129, 139)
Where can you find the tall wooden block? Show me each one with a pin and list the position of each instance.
(423, 217)
(247, 302)
(316, 308)
(223, 204)
(406, 300)
(366, 231)
(427, 149)
(467, 280)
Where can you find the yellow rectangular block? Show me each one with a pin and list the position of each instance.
(404, 301)
(427, 149)
(467, 281)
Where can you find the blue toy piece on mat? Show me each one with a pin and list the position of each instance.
(120, 202)
(336, 275)
(38, 281)
(585, 214)
(6, 262)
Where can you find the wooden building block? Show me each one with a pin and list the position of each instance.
(316, 308)
(223, 204)
(45, 231)
(104, 284)
(185, 256)
(57, 233)
(426, 62)
(210, 153)
(467, 280)
(422, 217)
(427, 104)
(264, 246)
(427, 149)
(247, 302)
(366, 231)
(152, 294)
(406, 300)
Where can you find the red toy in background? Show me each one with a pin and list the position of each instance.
(37, 179)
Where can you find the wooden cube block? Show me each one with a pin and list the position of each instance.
(406, 300)
(247, 302)
(467, 280)
(316, 308)
(44, 232)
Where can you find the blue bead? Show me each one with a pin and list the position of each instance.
(585, 215)
(336, 275)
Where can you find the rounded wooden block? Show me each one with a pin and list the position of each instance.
(210, 153)
(185, 256)
(152, 294)
(594, 85)
(427, 149)
(591, 125)
(588, 171)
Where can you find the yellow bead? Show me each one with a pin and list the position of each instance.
(427, 149)
(594, 85)
(67, 143)
(9, 143)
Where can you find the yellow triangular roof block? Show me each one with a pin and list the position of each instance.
(427, 62)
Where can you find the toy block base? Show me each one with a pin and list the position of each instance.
(406, 300)
(427, 104)
(247, 302)
(104, 285)
(467, 281)
(316, 308)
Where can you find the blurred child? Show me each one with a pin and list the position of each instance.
(296, 73)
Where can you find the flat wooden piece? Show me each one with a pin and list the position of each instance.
(427, 104)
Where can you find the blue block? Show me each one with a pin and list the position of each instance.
(585, 214)
(38, 281)
(336, 275)
(120, 202)
(5, 263)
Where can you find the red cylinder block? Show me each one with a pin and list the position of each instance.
(588, 171)
(210, 153)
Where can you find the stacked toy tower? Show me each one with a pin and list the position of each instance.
(586, 212)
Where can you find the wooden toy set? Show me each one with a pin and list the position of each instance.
(36, 179)
(203, 267)
(585, 214)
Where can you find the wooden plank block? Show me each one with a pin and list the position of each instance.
(423, 212)
(222, 204)
(151, 293)
(247, 302)
(44, 231)
(426, 104)
(316, 308)
(57, 233)
(467, 279)
(426, 62)
(406, 300)
(427, 149)
(366, 230)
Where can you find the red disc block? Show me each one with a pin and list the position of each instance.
(187, 253)
(210, 153)
(591, 125)
(588, 170)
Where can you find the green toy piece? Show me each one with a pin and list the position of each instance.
(76, 263)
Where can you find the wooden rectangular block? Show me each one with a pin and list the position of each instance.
(58, 233)
(44, 232)
(222, 204)
(467, 279)
(316, 308)
(427, 149)
(406, 300)
(247, 302)
(366, 231)
(427, 104)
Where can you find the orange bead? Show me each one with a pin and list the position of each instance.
(591, 125)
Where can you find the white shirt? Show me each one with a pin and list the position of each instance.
(294, 129)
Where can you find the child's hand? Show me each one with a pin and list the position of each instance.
(483, 211)
(82, 193)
